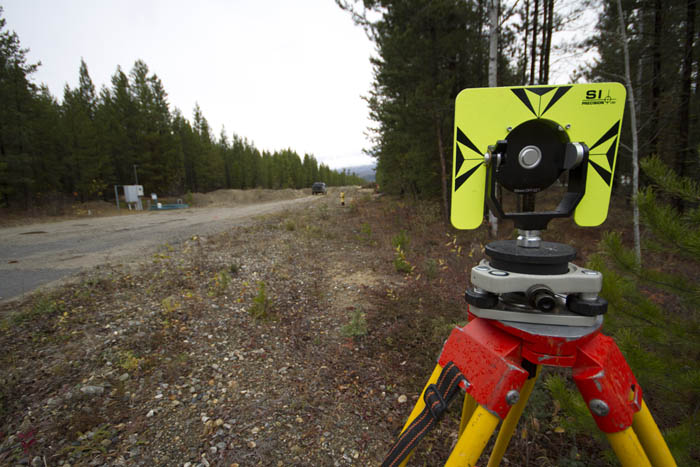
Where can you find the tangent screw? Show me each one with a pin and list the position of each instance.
(512, 397)
(599, 407)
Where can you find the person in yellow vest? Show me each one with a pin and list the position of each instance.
(342, 198)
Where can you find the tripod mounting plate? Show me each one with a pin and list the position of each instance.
(549, 258)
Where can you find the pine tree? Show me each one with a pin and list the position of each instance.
(426, 53)
(661, 59)
(86, 167)
(17, 98)
(654, 310)
(117, 120)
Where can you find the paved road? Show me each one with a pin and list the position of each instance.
(39, 254)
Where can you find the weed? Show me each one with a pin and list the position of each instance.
(261, 303)
(289, 225)
(170, 304)
(128, 360)
(160, 256)
(220, 283)
(27, 439)
(400, 240)
(90, 442)
(44, 307)
(357, 325)
(400, 263)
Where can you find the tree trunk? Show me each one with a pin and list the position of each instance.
(493, 43)
(684, 156)
(526, 34)
(533, 53)
(548, 41)
(493, 77)
(656, 78)
(640, 83)
(540, 78)
(633, 127)
(443, 167)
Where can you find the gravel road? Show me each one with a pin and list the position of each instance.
(39, 254)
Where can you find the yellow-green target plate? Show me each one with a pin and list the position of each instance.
(589, 113)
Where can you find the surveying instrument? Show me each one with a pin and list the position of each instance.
(530, 306)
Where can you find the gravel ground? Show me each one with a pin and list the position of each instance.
(222, 350)
(290, 341)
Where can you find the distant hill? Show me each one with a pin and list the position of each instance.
(362, 171)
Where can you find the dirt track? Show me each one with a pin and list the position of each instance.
(39, 254)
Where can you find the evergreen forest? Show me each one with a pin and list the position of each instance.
(426, 52)
(124, 133)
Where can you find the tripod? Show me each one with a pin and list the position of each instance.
(529, 305)
(520, 321)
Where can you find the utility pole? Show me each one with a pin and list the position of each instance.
(136, 177)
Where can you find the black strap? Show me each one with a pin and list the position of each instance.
(437, 397)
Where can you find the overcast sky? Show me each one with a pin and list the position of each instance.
(282, 73)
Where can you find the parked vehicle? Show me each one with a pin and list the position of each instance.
(318, 188)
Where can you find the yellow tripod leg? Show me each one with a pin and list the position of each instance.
(473, 441)
(468, 408)
(505, 433)
(649, 435)
(628, 449)
(420, 405)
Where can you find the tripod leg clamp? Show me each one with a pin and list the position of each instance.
(437, 397)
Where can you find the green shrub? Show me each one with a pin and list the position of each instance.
(357, 326)
(400, 263)
(220, 284)
(43, 307)
(261, 303)
(400, 240)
